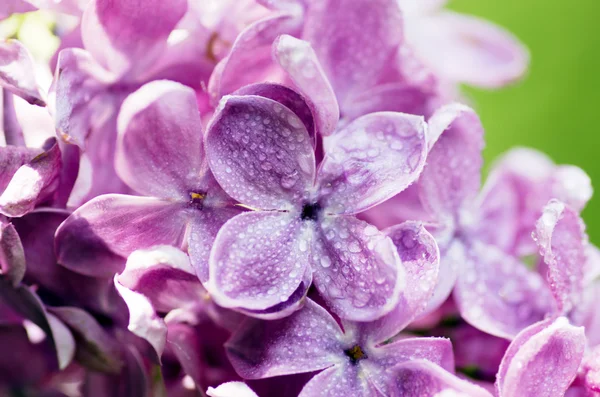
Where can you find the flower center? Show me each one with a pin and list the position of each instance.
(310, 211)
(197, 200)
(355, 354)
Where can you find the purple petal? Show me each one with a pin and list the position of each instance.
(9, 7)
(83, 102)
(560, 235)
(11, 159)
(306, 341)
(258, 260)
(496, 293)
(421, 378)
(159, 149)
(32, 183)
(420, 258)
(300, 62)
(356, 268)
(371, 160)
(164, 275)
(571, 185)
(204, 226)
(250, 60)
(96, 349)
(354, 41)
(591, 368)
(542, 361)
(231, 389)
(127, 37)
(452, 177)
(340, 380)
(260, 152)
(436, 350)
(17, 72)
(469, 50)
(98, 236)
(12, 256)
(143, 320)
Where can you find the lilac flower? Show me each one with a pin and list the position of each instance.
(159, 154)
(304, 226)
(359, 359)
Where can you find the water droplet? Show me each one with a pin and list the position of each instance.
(325, 261)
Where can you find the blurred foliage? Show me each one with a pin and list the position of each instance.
(555, 108)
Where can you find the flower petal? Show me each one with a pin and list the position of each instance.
(542, 361)
(83, 102)
(591, 368)
(421, 378)
(496, 293)
(300, 62)
(159, 149)
(11, 159)
(452, 177)
(17, 72)
(469, 50)
(128, 37)
(371, 160)
(249, 59)
(98, 236)
(260, 152)
(435, 350)
(164, 275)
(356, 268)
(420, 258)
(353, 41)
(143, 320)
(12, 255)
(258, 260)
(9, 7)
(33, 183)
(306, 341)
(560, 235)
(340, 380)
(231, 389)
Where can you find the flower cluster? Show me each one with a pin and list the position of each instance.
(241, 198)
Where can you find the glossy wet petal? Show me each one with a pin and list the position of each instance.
(560, 235)
(340, 380)
(357, 269)
(498, 294)
(159, 149)
(300, 62)
(306, 341)
(17, 72)
(128, 36)
(258, 260)
(98, 236)
(260, 152)
(371, 160)
(542, 361)
(452, 177)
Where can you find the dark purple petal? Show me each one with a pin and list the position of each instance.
(542, 361)
(159, 149)
(357, 269)
(98, 236)
(469, 50)
(164, 275)
(496, 293)
(371, 160)
(260, 153)
(32, 183)
(12, 256)
(354, 41)
(300, 62)
(204, 226)
(258, 260)
(250, 60)
(421, 378)
(420, 259)
(340, 380)
(308, 340)
(560, 235)
(83, 101)
(128, 36)
(452, 177)
(17, 72)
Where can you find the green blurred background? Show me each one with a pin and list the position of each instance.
(556, 107)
